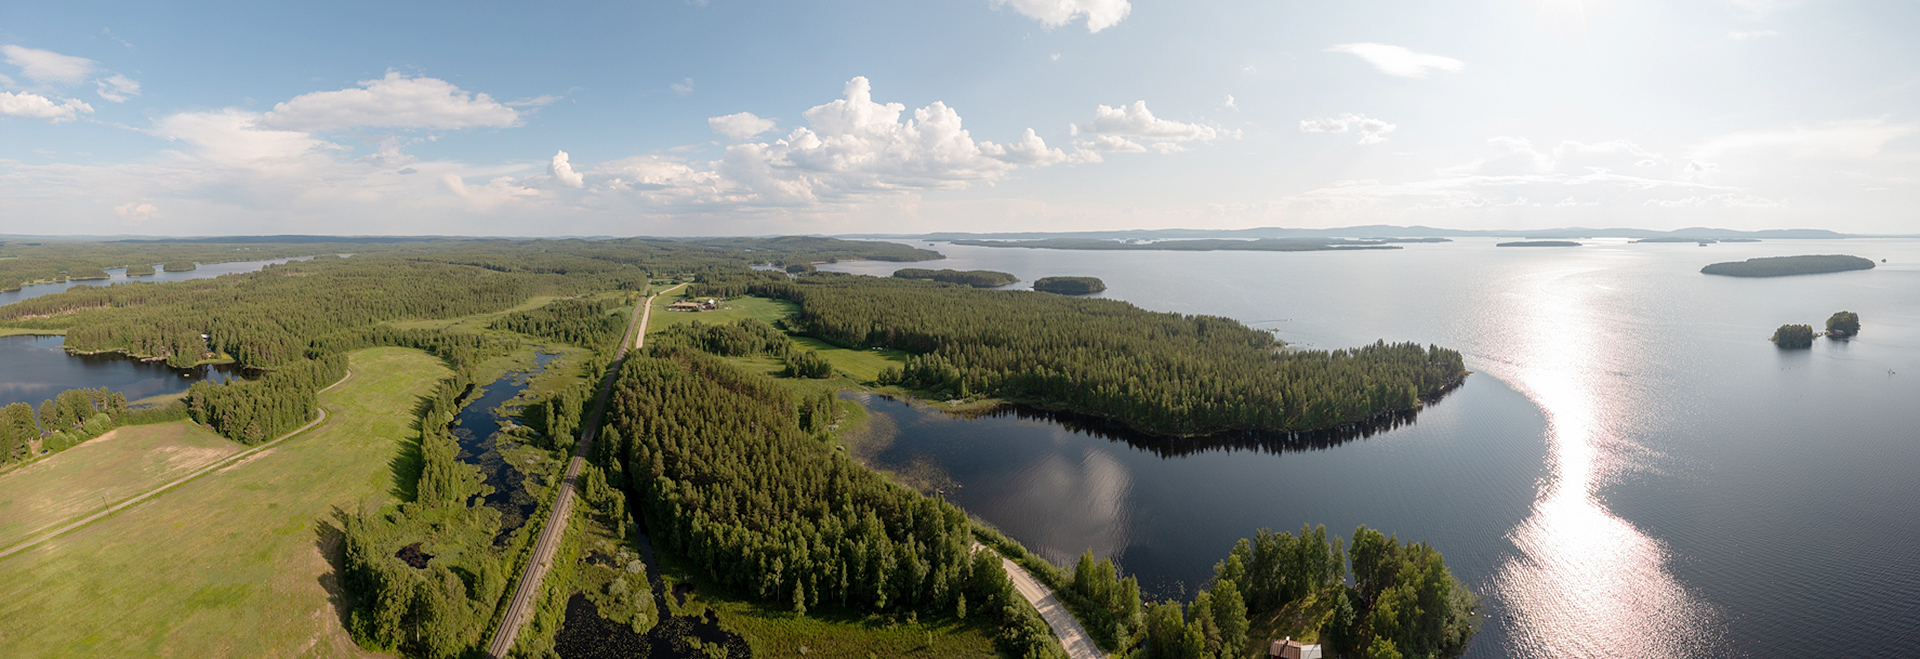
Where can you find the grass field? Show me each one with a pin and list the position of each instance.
(856, 366)
(88, 477)
(234, 563)
(10, 331)
(731, 310)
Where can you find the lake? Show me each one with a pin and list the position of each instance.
(36, 368)
(1632, 465)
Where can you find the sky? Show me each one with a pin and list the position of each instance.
(727, 117)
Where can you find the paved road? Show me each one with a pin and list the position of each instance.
(231, 459)
(1072, 636)
(521, 607)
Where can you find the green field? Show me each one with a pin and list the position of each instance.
(730, 310)
(107, 469)
(857, 366)
(10, 331)
(234, 563)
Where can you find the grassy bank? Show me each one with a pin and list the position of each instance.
(235, 563)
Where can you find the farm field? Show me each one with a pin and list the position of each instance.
(236, 562)
(105, 470)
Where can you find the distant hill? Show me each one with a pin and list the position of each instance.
(1375, 231)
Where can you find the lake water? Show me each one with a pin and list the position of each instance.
(36, 368)
(477, 430)
(119, 276)
(1632, 469)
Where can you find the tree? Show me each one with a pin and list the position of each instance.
(1843, 324)
(1793, 336)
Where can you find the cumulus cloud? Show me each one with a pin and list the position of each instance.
(1372, 131)
(1133, 128)
(49, 67)
(1029, 150)
(1101, 14)
(1398, 61)
(395, 101)
(117, 88)
(35, 106)
(235, 136)
(740, 125)
(136, 212)
(562, 171)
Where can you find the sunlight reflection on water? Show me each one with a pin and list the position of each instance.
(1585, 580)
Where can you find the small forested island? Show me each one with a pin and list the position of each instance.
(139, 270)
(87, 274)
(974, 278)
(1843, 324)
(1069, 285)
(1782, 266)
(1203, 245)
(181, 266)
(1793, 336)
(1540, 243)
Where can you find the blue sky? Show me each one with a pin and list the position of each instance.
(730, 117)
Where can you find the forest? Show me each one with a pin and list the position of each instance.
(1194, 245)
(1069, 285)
(1164, 373)
(974, 278)
(1784, 266)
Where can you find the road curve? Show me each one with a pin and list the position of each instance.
(520, 608)
(229, 460)
(1073, 637)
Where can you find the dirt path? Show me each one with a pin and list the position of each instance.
(1073, 637)
(521, 607)
(230, 460)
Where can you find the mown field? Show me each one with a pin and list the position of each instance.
(105, 470)
(234, 563)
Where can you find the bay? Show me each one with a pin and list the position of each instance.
(1633, 463)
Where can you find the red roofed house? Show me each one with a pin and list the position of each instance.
(1287, 648)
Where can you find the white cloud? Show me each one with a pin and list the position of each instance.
(136, 212)
(1101, 14)
(117, 88)
(1029, 150)
(1398, 61)
(35, 106)
(395, 101)
(1133, 128)
(740, 125)
(1756, 34)
(234, 137)
(1863, 138)
(1372, 131)
(562, 171)
(683, 88)
(1230, 104)
(47, 66)
(540, 101)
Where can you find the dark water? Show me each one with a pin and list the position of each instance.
(36, 368)
(119, 276)
(1632, 466)
(477, 430)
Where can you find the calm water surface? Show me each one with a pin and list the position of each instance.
(1632, 463)
(119, 276)
(36, 368)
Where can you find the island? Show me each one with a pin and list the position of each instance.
(1793, 336)
(974, 278)
(139, 270)
(1843, 324)
(87, 274)
(1540, 243)
(180, 266)
(1784, 266)
(1069, 285)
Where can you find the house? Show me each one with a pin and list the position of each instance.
(685, 305)
(1287, 648)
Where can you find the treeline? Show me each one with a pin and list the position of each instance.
(974, 278)
(251, 412)
(725, 468)
(584, 322)
(1404, 602)
(70, 417)
(1160, 372)
(60, 260)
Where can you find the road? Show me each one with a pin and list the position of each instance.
(521, 607)
(223, 462)
(1072, 636)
